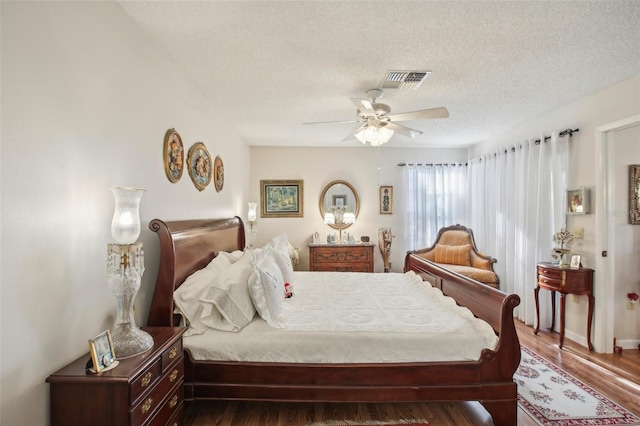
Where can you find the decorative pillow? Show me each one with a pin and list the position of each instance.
(279, 249)
(454, 255)
(186, 297)
(226, 302)
(266, 287)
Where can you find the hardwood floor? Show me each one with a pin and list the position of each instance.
(616, 376)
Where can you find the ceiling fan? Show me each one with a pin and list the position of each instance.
(378, 126)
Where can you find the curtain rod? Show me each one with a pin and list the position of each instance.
(563, 133)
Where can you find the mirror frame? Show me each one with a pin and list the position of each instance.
(324, 193)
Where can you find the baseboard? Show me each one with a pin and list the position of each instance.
(578, 338)
(628, 343)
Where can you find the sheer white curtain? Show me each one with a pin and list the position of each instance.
(435, 197)
(516, 205)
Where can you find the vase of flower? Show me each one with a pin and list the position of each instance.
(564, 238)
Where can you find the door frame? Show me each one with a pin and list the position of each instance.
(605, 235)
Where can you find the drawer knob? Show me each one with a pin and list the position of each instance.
(146, 406)
(173, 352)
(174, 401)
(146, 379)
(173, 376)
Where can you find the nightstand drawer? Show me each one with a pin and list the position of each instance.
(172, 409)
(145, 409)
(171, 355)
(145, 381)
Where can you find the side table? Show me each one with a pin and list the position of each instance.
(578, 281)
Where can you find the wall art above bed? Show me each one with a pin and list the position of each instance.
(281, 198)
(199, 163)
(218, 173)
(173, 154)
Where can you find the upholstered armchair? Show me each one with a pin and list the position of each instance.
(455, 249)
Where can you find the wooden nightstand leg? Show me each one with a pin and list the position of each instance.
(553, 310)
(536, 292)
(563, 298)
(589, 320)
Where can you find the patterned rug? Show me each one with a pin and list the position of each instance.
(555, 398)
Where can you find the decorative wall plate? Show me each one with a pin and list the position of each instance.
(199, 163)
(173, 153)
(218, 173)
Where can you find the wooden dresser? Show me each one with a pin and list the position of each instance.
(578, 281)
(341, 257)
(146, 389)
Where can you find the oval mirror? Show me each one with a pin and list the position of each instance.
(339, 204)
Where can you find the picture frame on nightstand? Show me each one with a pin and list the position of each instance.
(103, 355)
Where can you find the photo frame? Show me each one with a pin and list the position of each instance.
(199, 163)
(634, 194)
(218, 173)
(386, 199)
(282, 198)
(577, 201)
(575, 261)
(339, 200)
(103, 355)
(173, 154)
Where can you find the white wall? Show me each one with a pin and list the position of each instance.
(614, 103)
(626, 147)
(86, 101)
(357, 165)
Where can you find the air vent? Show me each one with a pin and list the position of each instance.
(404, 80)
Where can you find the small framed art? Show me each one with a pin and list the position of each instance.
(386, 199)
(173, 153)
(199, 163)
(218, 173)
(339, 200)
(281, 198)
(577, 201)
(634, 194)
(103, 355)
(575, 261)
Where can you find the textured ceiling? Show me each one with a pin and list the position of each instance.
(274, 65)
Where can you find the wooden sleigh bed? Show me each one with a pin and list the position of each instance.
(187, 246)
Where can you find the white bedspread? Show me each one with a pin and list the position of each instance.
(355, 318)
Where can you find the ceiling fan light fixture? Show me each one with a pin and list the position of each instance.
(374, 135)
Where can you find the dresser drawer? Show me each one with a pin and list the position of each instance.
(356, 254)
(171, 355)
(150, 402)
(341, 258)
(145, 381)
(171, 413)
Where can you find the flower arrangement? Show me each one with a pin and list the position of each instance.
(384, 244)
(563, 237)
(633, 297)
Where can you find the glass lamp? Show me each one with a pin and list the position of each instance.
(252, 215)
(125, 266)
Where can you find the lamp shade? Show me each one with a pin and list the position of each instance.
(374, 134)
(329, 218)
(125, 226)
(252, 214)
(348, 218)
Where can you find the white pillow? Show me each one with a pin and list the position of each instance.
(233, 256)
(186, 297)
(266, 287)
(280, 253)
(226, 301)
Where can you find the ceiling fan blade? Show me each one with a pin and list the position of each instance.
(364, 106)
(333, 122)
(404, 131)
(420, 115)
(353, 134)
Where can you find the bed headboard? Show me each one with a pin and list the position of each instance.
(185, 247)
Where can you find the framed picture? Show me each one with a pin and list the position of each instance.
(199, 163)
(281, 198)
(102, 353)
(339, 200)
(634, 194)
(218, 173)
(577, 201)
(386, 199)
(173, 153)
(575, 261)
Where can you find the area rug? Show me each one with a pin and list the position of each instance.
(371, 423)
(553, 397)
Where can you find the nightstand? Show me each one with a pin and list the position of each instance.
(146, 389)
(578, 281)
(341, 257)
